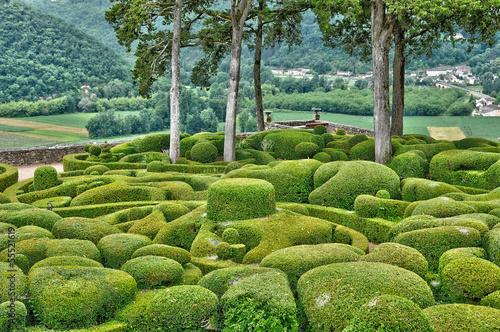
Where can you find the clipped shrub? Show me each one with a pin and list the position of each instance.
(13, 316)
(414, 189)
(45, 177)
(156, 166)
(306, 150)
(336, 154)
(77, 297)
(297, 260)
(238, 199)
(151, 142)
(327, 138)
(399, 255)
(4, 198)
(53, 202)
(389, 313)
(116, 249)
(383, 194)
(262, 302)
(471, 142)
(204, 152)
(340, 132)
(459, 317)
(410, 165)
(95, 150)
(284, 142)
(148, 226)
(319, 141)
(83, 229)
(332, 294)
(73, 247)
(433, 242)
(231, 236)
(100, 169)
(66, 261)
(358, 138)
(470, 278)
(457, 253)
(338, 183)
(491, 300)
(319, 130)
(173, 309)
(363, 151)
(178, 254)
(442, 207)
(12, 279)
(152, 271)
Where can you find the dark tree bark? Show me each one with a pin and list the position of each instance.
(398, 86)
(382, 26)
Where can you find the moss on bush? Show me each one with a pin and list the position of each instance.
(389, 313)
(338, 184)
(116, 249)
(237, 199)
(332, 294)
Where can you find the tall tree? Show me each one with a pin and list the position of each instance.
(158, 48)
(239, 14)
(416, 26)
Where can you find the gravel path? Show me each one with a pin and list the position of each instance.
(26, 172)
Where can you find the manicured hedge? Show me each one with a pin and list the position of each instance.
(116, 249)
(154, 271)
(459, 317)
(8, 176)
(83, 229)
(414, 189)
(332, 294)
(410, 164)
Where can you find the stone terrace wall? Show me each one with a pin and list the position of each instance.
(331, 127)
(42, 154)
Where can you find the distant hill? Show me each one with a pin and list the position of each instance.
(42, 55)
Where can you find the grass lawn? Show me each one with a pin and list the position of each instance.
(55, 134)
(78, 120)
(16, 141)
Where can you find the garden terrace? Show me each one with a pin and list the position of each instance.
(280, 238)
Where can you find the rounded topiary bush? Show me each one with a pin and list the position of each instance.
(239, 199)
(156, 166)
(297, 260)
(151, 271)
(13, 316)
(231, 236)
(339, 183)
(116, 249)
(470, 278)
(4, 199)
(356, 139)
(100, 169)
(336, 154)
(462, 318)
(323, 157)
(383, 194)
(389, 313)
(95, 150)
(173, 309)
(66, 261)
(457, 253)
(45, 177)
(204, 152)
(73, 247)
(178, 254)
(54, 202)
(491, 300)
(83, 229)
(442, 207)
(306, 149)
(399, 255)
(367, 206)
(327, 138)
(332, 294)
(433, 242)
(12, 279)
(340, 132)
(319, 141)
(410, 165)
(364, 150)
(319, 130)
(414, 189)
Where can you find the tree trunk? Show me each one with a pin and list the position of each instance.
(239, 14)
(175, 130)
(398, 86)
(259, 108)
(381, 37)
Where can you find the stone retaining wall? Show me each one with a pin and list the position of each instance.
(331, 127)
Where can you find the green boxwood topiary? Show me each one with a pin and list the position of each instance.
(116, 249)
(66, 261)
(306, 150)
(410, 164)
(414, 189)
(178, 254)
(398, 255)
(12, 279)
(284, 142)
(237, 199)
(156, 166)
(75, 297)
(231, 236)
(13, 316)
(319, 130)
(470, 278)
(389, 313)
(319, 141)
(204, 152)
(323, 157)
(148, 226)
(383, 194)
(338, 183)
(461, 317)
(336, 154)
(433, 242)
(83, 229)
(53, 202)
(297, 260)
(100, 169)
(173, 309)
(151, 142)
(73, 247)
(332, 294)
(153, 271)
(491, 300)
(45, 178)
(364, 150)
(95, 150)
(457, 253)
(442, 207)
(340, 132)
(327, 138)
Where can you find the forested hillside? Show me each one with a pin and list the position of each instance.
(43, 55)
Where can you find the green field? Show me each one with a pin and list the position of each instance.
(78, 120)
(15, 141)
(477, 126)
